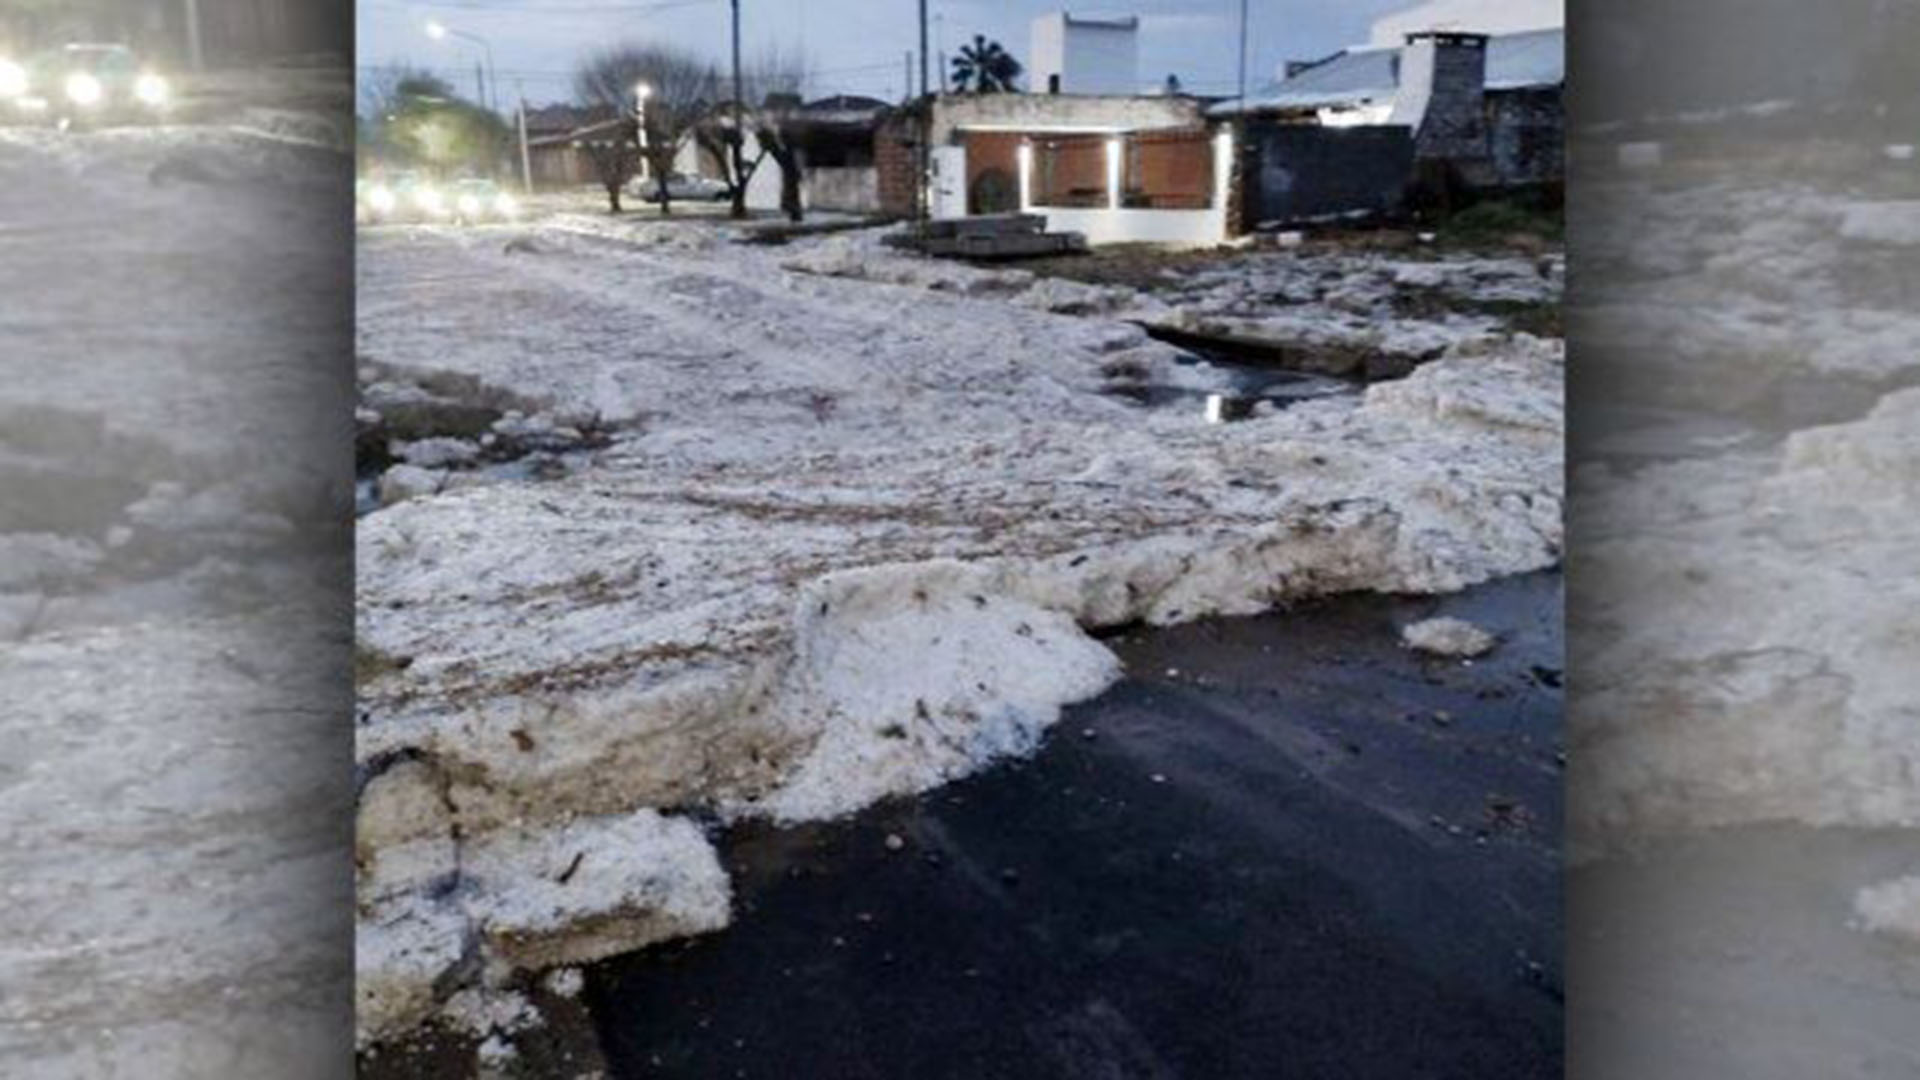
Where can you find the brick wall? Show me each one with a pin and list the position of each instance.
(896, 159)
(1455, 126)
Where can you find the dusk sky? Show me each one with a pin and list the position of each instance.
(853, 46)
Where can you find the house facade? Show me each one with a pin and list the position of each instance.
(1348, 135)
(1115, 168)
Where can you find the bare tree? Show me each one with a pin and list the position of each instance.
(778, 79)
(613, 148)
(772, 84)
(679, 89)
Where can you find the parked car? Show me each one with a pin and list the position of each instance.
(684, 188)
(479, 201)
(85, 85)
(406, 196)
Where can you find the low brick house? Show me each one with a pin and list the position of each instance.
(1116, 168)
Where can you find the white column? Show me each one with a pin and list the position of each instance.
(1025, 155)
(1114, 150)
(1222, 181)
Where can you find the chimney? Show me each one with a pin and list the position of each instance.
(1442, 95)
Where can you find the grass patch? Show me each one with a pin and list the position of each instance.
(1498, 220)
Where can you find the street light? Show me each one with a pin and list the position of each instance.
(641, 92)
(440, 31)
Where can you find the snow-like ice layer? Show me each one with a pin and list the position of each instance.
(1746, 616)
(170, 853)
(1447, 637)
(1891, 908)
(1773, 279)
(853, 538)
(573, 893)
(1335, 309)
(915, 674)
(1799, 707)
(593, 887)
(173, 860)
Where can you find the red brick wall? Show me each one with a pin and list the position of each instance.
(896, 157)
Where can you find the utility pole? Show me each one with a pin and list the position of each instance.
(739, 122)
(926, 134)
(526, 151)
(196, 47)
(906, 87)
(1243, 53)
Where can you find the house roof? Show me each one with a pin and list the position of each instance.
(570, 135)
(562, 118)
(846, 103)
(1364, 75)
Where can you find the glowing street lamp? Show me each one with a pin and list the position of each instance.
(440, 31)
(641, 92)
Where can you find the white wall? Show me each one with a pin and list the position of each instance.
(853, 189)
(1040, 113)
(1471, 16)
(1046, 51)
(1091, 57)
(763, 191)
(1113, 225)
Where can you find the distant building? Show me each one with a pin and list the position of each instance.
(1074, 55)
(556, 136)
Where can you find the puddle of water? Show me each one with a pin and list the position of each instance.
(532, 468)
(1246, 387)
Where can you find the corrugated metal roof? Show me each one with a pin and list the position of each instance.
(1519, 61)
(1364, 76)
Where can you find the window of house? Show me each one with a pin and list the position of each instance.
(1070, 171)
(1167, 171)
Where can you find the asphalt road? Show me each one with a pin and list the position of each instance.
(1284, 846)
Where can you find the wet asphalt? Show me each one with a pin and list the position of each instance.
(1283, 846)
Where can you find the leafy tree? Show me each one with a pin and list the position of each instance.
(414, 118)
(985, 68)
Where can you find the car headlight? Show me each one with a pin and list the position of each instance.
(13, 79)
(84, 90)
(469, 206)
(382, 200)
(152, 90)
(506, 206)
(430, 201)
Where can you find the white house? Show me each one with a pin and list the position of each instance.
(1491, 17)
(1069, 54)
